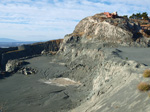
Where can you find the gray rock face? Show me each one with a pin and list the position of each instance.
(115, 32)
(13, 65)
(110, 82)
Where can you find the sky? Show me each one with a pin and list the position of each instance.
(39, 20)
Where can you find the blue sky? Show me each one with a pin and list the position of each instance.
(34, 20)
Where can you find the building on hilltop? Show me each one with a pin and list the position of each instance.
(111, 15)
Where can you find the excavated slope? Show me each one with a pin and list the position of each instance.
(92, 72)
(110, 81)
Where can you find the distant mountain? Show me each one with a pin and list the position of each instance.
(14, 44)
(7, 40)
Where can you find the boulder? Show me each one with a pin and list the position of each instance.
(27, 71)
(14, 65)
(43, 52)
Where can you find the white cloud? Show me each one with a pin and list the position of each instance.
(51, 19)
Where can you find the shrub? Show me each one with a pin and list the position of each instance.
(149, 94)
(144, 86)
(52, 52)
(78, 34)
(13, 51)
(146, 73)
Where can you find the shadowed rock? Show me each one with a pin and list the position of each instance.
(14, 65)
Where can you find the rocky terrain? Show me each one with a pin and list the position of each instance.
(26, 51)
(96, 69)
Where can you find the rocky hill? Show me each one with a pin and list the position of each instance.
(93, 55)
(111, 31)
(96, 69)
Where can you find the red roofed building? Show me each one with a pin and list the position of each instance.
(111, 15)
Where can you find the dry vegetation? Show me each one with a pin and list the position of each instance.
(149, 94)
(89, 36)
(145, 33)
(144, 86)
(58, 41)
(78, 34)
(146, 73)
(13, 51)
(52, 52)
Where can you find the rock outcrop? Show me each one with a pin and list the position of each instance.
(14, 65)
(109, 81)
(27, 71)
(91, 75)
(108, 32)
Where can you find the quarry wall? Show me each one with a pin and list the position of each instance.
(26, 50)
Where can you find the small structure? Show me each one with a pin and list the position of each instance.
(111, 15)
